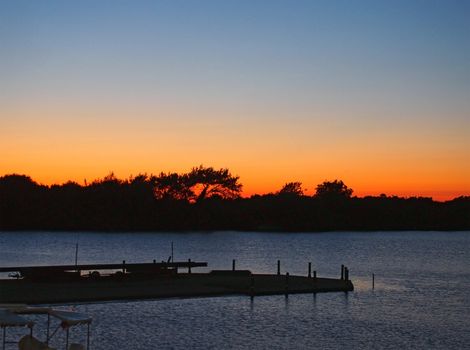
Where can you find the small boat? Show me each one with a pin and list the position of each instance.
(15, 315)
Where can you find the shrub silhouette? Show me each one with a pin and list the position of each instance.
(209, 199)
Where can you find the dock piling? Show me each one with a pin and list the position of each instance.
(342, 272)
(76, 254)
(287, 284)
(279, 267)
(315, 274)
(233, 265)
(189, 266)
(124, 266)
(346, 274)
(373, 281)
(309, 270)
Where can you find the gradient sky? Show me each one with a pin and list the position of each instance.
(376, 93)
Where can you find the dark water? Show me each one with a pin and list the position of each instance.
(421, 298)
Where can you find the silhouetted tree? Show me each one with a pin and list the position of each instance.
(333, 189)
(16, 182)
(171, 186)
(20, 201)
(136, 204)
(210, 183)
(109, 180)
(292, 189)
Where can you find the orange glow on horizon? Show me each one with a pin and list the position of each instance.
(393, 159)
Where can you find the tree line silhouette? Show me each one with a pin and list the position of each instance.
(209, 199)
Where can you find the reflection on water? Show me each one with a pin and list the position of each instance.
(420, 299)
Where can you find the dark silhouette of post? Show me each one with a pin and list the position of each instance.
(315, 274)
(287, 284)
(309, 270)
(233, 265)
(342, 272)
(123, 266)
(189, 266)
(279, 267)
(373, 281)
(346, 274)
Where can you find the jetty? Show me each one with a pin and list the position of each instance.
(104, 282)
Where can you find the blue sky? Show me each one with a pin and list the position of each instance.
(293, 70)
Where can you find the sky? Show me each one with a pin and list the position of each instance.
(375, 93)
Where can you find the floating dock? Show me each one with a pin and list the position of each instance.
(104, 282)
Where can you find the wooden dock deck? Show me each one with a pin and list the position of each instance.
(153, 284)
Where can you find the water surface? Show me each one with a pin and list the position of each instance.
(421, 297)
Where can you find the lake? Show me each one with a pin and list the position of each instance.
(421, 298)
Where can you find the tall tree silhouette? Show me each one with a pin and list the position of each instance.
(208, 182)
(293, 189)
(333, 190)
(171, 186)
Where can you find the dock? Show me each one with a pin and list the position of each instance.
(106, 282)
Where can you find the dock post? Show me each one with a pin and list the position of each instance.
(76, 254)
(346, 274)
(315, 274)
(287, 284)
(123, 266)
(373, 281)
(309, 270)
(279, 267)
(233, 265)
(88, 337)
(189, 266)
(342, 272)
(48, 327)
(67, 338)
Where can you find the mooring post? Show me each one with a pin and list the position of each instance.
(48, 327)
(124, 266)
(309, 269)
(279, 267)
(67, 338)
(342, 272)
(315, 274)
(233, 265)
(373, 281)
(76, 254)
(287, 284)
(189, 265)
(346, 274)
(88, 337)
